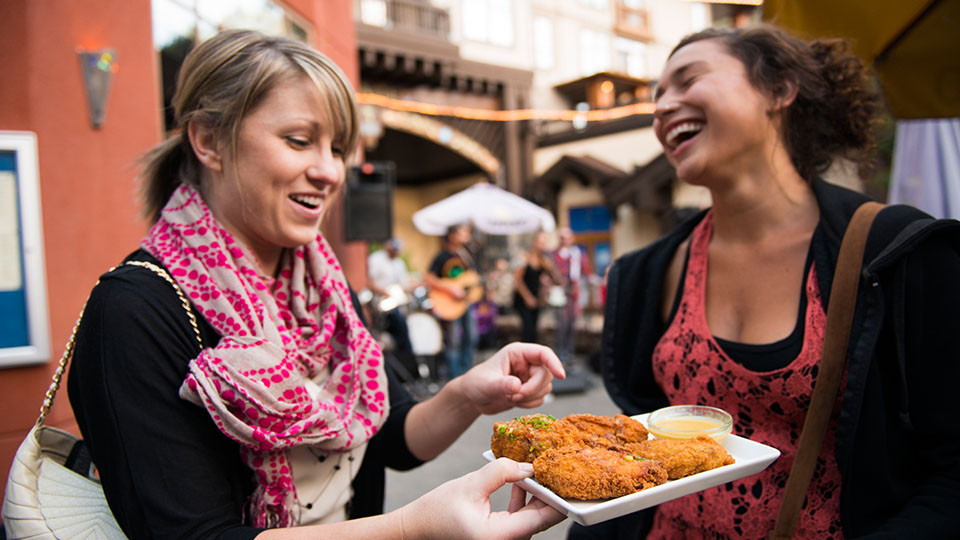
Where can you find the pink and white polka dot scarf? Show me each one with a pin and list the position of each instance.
(295, 365)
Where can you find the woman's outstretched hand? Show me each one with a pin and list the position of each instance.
(460, 508)
(518, 375)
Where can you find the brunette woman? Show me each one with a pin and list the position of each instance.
(728, 309)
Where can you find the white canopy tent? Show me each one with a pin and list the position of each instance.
(488, 208)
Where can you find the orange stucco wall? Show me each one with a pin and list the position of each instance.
(88, 201)
(88, 197)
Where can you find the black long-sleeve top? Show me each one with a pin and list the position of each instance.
(167, 470)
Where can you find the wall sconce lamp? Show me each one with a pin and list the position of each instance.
(98, 68)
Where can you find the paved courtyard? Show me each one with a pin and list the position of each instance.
(465, 454)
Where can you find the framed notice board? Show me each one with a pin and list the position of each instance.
(24, 321)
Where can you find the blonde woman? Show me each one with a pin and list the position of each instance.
(286, 415)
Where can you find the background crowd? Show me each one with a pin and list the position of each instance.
(547, 273)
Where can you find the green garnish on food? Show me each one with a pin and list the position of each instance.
(538, 421)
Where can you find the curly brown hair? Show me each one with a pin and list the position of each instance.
(837, 103)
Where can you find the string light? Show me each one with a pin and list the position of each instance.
(469, 113)
(737, 2)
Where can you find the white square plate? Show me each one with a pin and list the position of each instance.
(751, 457)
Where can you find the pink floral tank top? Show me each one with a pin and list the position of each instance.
(768, 407)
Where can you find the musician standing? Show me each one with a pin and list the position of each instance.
(387, 272)
(446, 273)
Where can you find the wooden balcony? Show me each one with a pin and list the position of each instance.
(415, 17)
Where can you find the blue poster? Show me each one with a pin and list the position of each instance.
(14, 326)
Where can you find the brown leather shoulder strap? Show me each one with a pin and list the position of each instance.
(843, 300)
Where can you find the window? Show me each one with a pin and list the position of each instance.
(543, 46)
(489, 21)
(179, 24)
(591, 230)
(594, 52)
(631, 57)
(589, 219)
(373, 12)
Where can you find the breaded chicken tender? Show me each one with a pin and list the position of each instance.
(587, 457)
(683, 457)
(604, 431)
(595, 473)
(525, 437)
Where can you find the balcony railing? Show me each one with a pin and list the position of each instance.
(407, 16)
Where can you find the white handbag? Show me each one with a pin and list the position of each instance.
(52, 490)
(46, 500)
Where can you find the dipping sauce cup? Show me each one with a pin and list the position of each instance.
(688, 421)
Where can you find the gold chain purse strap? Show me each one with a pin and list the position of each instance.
(46, 497)
(68, 350)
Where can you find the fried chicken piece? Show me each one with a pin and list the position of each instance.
(595, 473)
(604, 431)
(525, 437)
(683, 457)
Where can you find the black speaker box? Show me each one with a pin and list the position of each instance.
(368, 202)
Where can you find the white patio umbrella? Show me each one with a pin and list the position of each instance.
(489, 209)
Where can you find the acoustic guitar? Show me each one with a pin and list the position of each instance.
(448, 308)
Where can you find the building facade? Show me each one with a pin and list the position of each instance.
(606, 179)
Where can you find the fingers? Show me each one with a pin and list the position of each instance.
(495, 474)
(518, 499)
(522, 518)
(535, 365)
(511, 386)
(535, 401)
(524, 355)
(548, 515)
(537, 386)
(532, 518)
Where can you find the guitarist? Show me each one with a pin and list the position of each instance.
(452, 262)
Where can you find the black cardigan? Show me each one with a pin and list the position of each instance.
(167, 471)
(898, 442)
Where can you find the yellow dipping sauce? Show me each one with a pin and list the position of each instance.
(687, 427)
